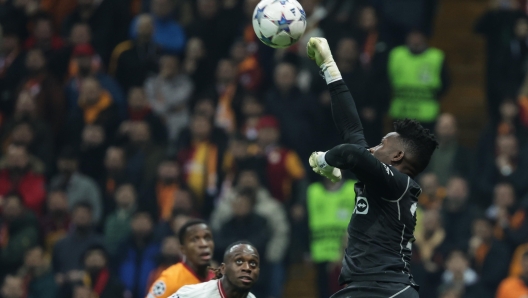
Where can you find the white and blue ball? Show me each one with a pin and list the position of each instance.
(279, 23)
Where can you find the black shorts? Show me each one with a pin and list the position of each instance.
(376, 289)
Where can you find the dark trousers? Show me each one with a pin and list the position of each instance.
(323, 283)
(375, 289)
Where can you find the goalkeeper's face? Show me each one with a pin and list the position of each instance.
(241, 266)
(389, 151)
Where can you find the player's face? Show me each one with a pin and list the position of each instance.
(242, 269)
(198, 245)
(388, 149)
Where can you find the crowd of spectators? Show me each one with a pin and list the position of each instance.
(120, 120)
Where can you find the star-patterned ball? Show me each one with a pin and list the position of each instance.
(279, 23)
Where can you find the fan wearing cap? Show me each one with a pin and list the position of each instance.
(283, 166)
(86, 62)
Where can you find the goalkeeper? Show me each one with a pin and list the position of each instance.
(380, 233)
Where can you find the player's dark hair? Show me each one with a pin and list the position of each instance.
(418, 141)
(183, 230)
(242, 242)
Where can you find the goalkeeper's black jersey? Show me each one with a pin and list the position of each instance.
(380, 233)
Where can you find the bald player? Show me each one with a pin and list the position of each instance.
(196, 240)
(235, 277)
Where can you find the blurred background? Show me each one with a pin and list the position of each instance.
(122, 119)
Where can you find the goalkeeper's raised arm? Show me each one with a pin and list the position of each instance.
(344, 110)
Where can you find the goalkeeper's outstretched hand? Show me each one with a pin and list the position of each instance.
(320, 166)
(319, 51)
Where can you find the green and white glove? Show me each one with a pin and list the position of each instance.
(319, 51)
(319, 165)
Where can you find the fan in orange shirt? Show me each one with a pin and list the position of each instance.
(515, 286)
(197, 247)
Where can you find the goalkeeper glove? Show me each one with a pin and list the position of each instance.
(319, 165)
(319, 50)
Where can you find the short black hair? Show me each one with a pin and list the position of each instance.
(95, 247)
(183, 230)
(418, 141)
(242, 242)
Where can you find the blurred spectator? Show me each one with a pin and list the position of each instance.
(429, 253)
(78, 187)
(96, 107)
(201, 163)
(19, 176)
(433, 194)
(515, 286)
(169, 34)
(373, 49)
(59, 9)
(56, 223)
(236, 155)
(44, 90)
(43, 38)
(228, 91)
(169, 93)
(249, 72)
(329, 210)
(41, 141)
(139, 109)
(488, 255)
(495, 25)
(198, 64)
(114, 175)
(170, 254)
(143, 155)
(416, 90)
(314, 12)
(136, 256)
(252, 109)
(97, 276)
(450, 158)
(81, 34)
(265, 206)
(513, 58)
(12, 67)
(503, 207)
(508, 164)
(18, 14)
(12, 287)
(68, 252)
(37, 139)
(117, 223)
(284, 169)
(457, 213)
(92, 150)
(133, 60)
(167, 189)
(214, 26)
(85, 63)
(37, 275)
(18, 232)
(459, 274)
(298, 114)
(248, 226)
(106, 18)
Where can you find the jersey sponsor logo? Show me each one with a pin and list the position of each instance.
(362, 206)
(389, 172)
(414, 206)
(159, 288)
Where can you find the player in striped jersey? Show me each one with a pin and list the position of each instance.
(235, 277)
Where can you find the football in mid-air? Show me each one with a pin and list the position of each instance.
(279, 23)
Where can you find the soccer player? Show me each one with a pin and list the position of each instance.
(235, 277)
(380, 233)
(197, 246)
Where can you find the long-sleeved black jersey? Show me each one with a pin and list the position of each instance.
(380, 233)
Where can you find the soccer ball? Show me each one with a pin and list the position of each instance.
(279, 23)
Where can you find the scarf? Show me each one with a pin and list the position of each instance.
(427, 246)
(90, 113)
(166, 195)
(202, 169)
(225, 116)
(100, 282)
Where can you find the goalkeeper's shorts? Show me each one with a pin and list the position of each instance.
(375, 289)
